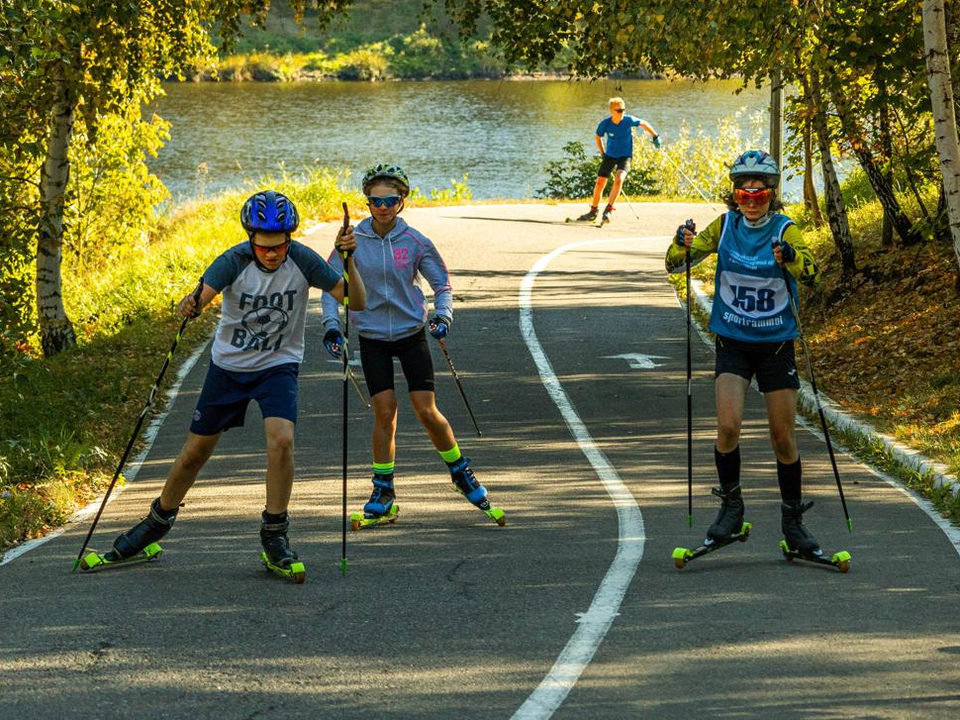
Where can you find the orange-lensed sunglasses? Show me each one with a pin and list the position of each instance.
(751, 196)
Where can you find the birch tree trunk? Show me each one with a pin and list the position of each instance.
(810, 201)
(56, 330)
(944, 120)
(836, 211)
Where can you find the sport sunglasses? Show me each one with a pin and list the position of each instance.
(751, 196)
(386, 201)
(279, 249)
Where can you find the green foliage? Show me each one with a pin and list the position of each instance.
(458, 192)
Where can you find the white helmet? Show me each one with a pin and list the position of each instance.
(756, 164)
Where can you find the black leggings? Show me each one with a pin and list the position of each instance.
(376, 356)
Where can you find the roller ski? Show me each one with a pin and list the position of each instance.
(605, 218)
(681, 556)
(727, 528)
(95, 562)
(277, 556)
(799, 543)
(466, 483)
(137, 545)
(588, 217)
(380, 508)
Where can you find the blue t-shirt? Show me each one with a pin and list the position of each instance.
(619, 136)
(263, 315)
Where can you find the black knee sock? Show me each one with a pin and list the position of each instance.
(789, 478)
(728, 467)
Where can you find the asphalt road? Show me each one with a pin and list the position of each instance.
(446, 615)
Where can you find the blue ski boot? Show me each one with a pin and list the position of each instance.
(277, 555)
(138, 544)
(467, 485)
(380, 508)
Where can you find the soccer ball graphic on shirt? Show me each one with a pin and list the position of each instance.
(263, 322)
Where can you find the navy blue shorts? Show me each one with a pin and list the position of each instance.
(773, 364)
(226, 394)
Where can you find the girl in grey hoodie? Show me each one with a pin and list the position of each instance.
(392, 256)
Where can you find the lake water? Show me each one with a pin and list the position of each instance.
(500, 133)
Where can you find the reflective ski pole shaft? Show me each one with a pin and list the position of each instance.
(689, 403)
(816, 396)
(356, 386)
(453, 371)
(691, 182)
(136, 430)
(346, 373)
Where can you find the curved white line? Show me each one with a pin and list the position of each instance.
(594, 623)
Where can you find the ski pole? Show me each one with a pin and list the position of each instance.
(356, 386)
(346, 373)
(691, 182)
(627, 198)
(136, 430)
(816, 395)
(453, 371)
(689, 224)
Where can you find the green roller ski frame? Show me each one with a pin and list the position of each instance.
(681, 556)
(839, 560)
(497, 515)
(95, 562)
(295, 572)
(359, 522)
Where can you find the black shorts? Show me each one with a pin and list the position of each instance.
(607, 164)
(377, 356)
(774, 364)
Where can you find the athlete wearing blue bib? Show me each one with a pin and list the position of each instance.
(760, 256)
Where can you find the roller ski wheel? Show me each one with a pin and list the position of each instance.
(681, 556)
(95, 562)
(359, 521)
(296, 572)
(839, 560)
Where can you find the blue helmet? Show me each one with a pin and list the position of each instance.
(756, 164)
(269, 211)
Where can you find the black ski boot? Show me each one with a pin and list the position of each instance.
(149, 530)
(607, 211)
(277, 555)
(796, 535)
(273, 537)
(588, 216)
(729, 519)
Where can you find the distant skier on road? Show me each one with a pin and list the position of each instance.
(614, 140)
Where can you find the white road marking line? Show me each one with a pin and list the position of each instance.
(593, 624)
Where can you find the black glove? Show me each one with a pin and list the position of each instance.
(679, 237)
(787, 251)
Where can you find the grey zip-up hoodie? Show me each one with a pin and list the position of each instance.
(391, 268)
